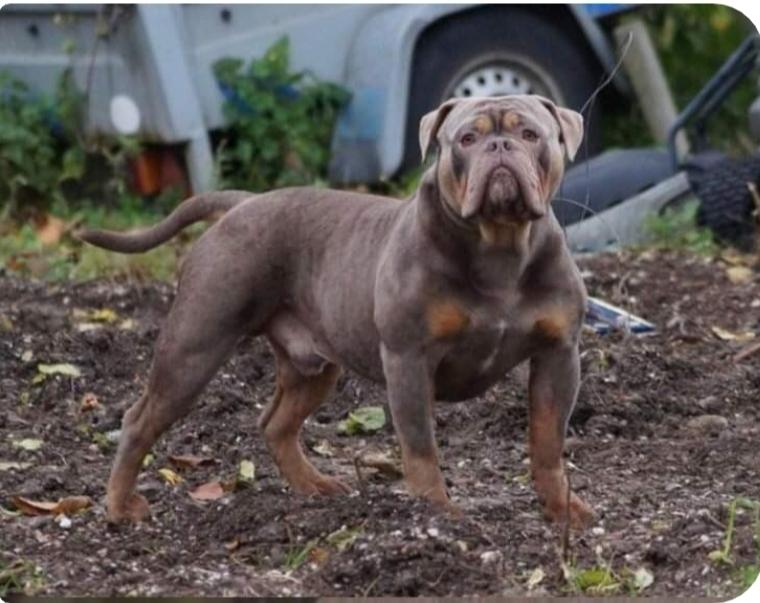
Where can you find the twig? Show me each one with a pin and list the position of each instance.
(747, 352)
(566, 527)
(359, 476)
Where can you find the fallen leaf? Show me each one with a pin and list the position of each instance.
(324, 448)
(10, 465)
(232, 545)
(739, 275)
(210, 491)
(148, 460)
(64, 506)
(247, 471)
(727, 335)
(127, 324)
(104, 315)
(535, 578)
(189, 461)
(50, 229)
(367, 419)
(33, 507)
(382, 462)
(28, 444)
(89, 402)
(170, 476)
(642, 578)
(5, 323)
(64, 368)
(344, 537)
(73, 504)
(318, 555)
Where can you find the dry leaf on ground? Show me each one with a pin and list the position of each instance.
(210, 491)
(727, 335)
(89, 402)
(64, 506)
(170, 477)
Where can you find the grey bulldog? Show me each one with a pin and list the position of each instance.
(436, 297)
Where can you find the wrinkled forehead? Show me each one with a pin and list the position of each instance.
(470, 109)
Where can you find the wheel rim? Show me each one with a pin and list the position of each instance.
(498, 78)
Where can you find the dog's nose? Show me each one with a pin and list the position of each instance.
(498, 145)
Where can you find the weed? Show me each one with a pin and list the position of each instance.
(20, 577)
(676, 228)
(297, 555)
(280, 122)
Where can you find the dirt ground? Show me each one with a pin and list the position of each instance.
(658, 480)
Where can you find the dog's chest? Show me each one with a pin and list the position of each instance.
(498, 337)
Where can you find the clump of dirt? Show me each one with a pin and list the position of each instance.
(664, 435)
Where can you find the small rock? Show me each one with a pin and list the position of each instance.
(64, 522)
(597, 531)
(710, 404)
(491, 557)
(705, 424)
(433, 532)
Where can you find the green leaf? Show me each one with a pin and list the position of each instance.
(30, 444)
(367, 419)
(63, 368)
(642, 578)
(246, 472)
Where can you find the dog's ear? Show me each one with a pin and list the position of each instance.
(570, 126)
(431, 123)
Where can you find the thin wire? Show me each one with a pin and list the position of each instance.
(589, 105)
(595, 214)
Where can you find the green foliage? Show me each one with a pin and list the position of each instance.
(45, 160)
(366, 419)
(29, 164)
(22, 252)
(692, 41)
(280, 123)
(676, 228)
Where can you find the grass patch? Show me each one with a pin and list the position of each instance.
(748, 573)
(20, 576)
(676, 228)
(23, 251)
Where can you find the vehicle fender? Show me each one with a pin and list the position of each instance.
(369, 138)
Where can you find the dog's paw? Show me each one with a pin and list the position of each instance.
(134, 509)
(321, 485)
(580, 514)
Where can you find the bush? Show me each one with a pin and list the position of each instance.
(280, 123)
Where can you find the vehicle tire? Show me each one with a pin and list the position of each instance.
(726, 204)
(500, 50)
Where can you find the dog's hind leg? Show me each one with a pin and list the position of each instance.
(186, 357)
(296, 397)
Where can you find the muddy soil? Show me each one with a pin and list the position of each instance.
(658, 474)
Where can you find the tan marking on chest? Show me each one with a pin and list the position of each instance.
(554, 324)
(510, 120)
(446, 318)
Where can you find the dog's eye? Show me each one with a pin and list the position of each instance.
(529, 135)
(467, 139)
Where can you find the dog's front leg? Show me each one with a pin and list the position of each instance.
(554, 381)
(410, 395)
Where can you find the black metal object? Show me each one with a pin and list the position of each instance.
(708, 100)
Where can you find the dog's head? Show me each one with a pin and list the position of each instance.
(501, 158)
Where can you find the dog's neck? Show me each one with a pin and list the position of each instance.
(491, 253)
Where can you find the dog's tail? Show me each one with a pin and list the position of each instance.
(194, 209)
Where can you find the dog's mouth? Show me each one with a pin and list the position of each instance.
(504, 199)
